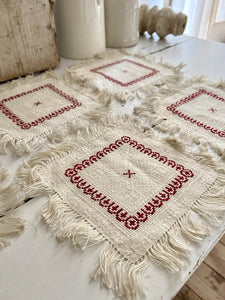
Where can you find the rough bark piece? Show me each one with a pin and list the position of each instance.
(27, 38)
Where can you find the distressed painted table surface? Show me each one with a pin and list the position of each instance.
(37, 267)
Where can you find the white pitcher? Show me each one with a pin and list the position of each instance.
(121, 21)
(80, 28)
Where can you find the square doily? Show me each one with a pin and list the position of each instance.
(196, 111)
(37, 108)
(119, 185)
(121, 76)
(125, 72)
(130, 187)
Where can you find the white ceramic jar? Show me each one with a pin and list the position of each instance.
(121, 22)
(80, 27)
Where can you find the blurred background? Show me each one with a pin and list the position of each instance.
(202, 14)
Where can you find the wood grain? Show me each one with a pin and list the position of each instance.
(222, 240)
(186, 294)
(27, 38)
(216, 260)
(208, 281)
(207, 284)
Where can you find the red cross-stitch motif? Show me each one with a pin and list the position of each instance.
(26, 125)
(174, 109)
(37, 103)
(130, 221)
(124, 84)
(213, 109)
(129, 174)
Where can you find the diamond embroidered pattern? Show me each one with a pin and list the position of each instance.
(131, 219)
(18, 113)
(118, 73)
(197, 109)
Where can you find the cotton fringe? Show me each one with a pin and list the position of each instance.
(116, 272)
(10, 225)
(93, 87)
(69, 224)
(151, 106)
(49, 137)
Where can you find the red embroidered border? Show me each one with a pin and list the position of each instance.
(25, 125)
(153, 72)
(189, 98)
(130, 221)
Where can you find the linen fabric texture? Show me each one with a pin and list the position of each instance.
(35, 111)
(120, 185)
(122, 76)
(194, 113)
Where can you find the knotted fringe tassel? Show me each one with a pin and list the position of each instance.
(115, 272)
(20, 146)
(10, 226)
(170, 251)
(121, 275)
(48, 138)
(67, 224)
(4, 178)
(211, 205)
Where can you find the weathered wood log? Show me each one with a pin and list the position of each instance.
(27, 37)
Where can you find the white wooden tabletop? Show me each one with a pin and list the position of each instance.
(37, 267)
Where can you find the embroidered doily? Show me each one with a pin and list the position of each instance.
(121, 76)
(121, 185)
(197, 111)
(35, 109)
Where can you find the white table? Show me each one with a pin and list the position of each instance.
(37, 267)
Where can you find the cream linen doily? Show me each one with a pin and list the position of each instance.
(120, 185)
(122, 76)
(34, 111)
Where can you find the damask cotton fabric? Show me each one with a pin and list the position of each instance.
(120, 185)
(35, 109)
(195, 113)
(122, 76)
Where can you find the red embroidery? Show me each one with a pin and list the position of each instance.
(130, 221)
(129, 174)
(152, 73)
(212, 109)
(37, 103)
(175, 111)
(25, 125)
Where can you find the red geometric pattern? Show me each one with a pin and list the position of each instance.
(152, 73)
(129, 173)
(26, 125)
(130, 221)
(175, 111)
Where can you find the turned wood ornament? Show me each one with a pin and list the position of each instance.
(161, 21)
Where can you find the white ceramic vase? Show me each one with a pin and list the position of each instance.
(121, 22)
(80, 28)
